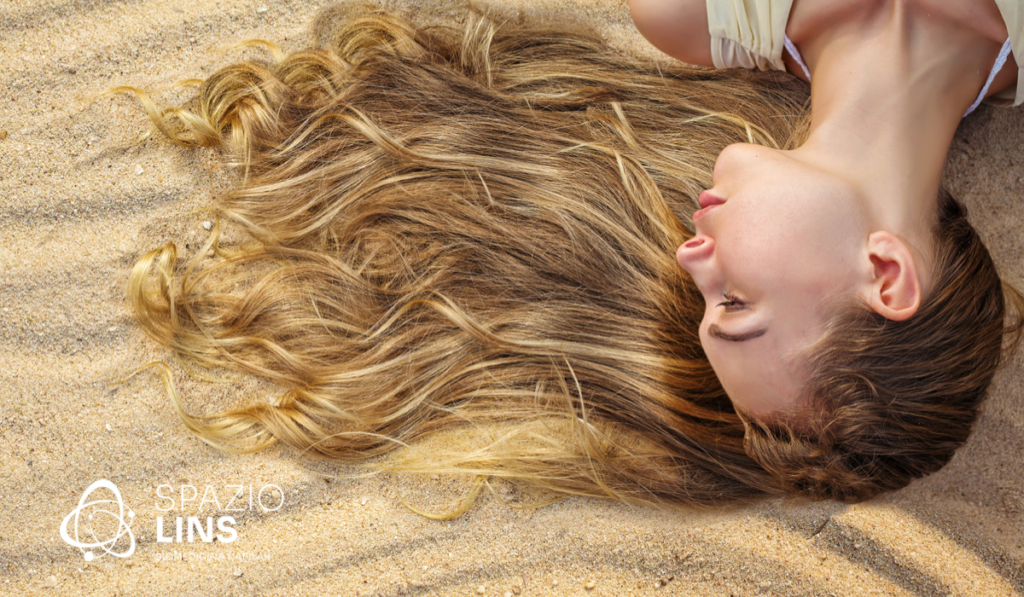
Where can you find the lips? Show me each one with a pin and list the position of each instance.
(707, 202)
(706, 199)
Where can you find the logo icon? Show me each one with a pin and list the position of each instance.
(100, 515)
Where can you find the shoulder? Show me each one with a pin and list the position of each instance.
(677, 27)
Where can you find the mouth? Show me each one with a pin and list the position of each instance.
(706, 199)
(707, 202)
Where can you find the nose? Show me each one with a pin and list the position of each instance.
(694, 254)
(697, 257)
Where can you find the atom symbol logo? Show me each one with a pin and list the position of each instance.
(102, 511)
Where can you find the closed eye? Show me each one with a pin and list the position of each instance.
(731, 303)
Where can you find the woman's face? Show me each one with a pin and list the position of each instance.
(776, 238)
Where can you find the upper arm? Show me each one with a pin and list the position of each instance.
(677, 27)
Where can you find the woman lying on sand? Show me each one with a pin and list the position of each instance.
(852, 212)
(468, 235)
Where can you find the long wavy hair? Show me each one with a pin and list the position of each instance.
(469, 235)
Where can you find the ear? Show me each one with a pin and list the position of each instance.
(895, 284)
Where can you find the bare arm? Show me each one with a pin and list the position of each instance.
(677, 27)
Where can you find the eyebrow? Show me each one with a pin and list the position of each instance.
(716, 332)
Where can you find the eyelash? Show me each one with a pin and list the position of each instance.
(731, 303)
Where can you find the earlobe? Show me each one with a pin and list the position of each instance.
(895, 292)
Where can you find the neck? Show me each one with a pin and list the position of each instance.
(888, 92)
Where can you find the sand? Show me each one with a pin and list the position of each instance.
(79, 203)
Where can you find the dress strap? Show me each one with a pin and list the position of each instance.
(791, 48)
(1000, 61)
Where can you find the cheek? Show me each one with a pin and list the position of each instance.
(755, 233)
(779, 252)
(753, 262)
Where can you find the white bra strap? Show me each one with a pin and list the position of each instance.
(1000, 61)
(791, 47)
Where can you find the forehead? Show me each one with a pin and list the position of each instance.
(764, 374)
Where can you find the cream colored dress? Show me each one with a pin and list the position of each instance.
(752, 34)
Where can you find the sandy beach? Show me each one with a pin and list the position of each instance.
(80, 201)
